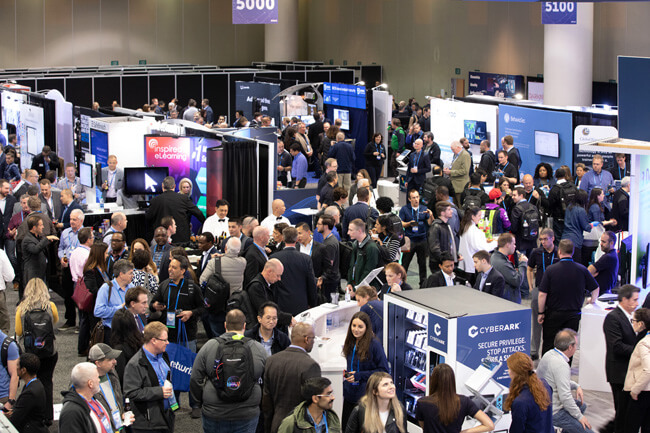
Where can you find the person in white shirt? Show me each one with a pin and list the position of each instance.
(472, 239)
(217, 224)
(118, 224)
(277, 208)
(6, 277)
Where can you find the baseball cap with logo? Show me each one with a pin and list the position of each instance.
(102, 351)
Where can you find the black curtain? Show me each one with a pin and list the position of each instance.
(240, 177)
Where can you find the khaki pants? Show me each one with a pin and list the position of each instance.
(345, 180)
(5, 324)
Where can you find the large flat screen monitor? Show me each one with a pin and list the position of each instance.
(144, 180)
(547, 144)
(344, 115)
(475, 131)
(86, 174)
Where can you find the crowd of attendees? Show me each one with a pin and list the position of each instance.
(549, 236)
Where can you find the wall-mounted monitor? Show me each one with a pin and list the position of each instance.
(99, 146)
(144, 180)
(86, 174)
(547, 144)
(32, 141)
(475, 131)
(344, 115)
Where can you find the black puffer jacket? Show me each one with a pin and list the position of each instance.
(75, 414)
(355, 423)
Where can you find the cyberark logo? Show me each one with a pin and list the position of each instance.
(437, 330)
(473, 330)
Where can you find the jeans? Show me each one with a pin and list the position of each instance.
(512, 295)
(569, 424)
(211, 425)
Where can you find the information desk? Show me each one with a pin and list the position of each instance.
(328, 346)
(136, 226)
(461, 327)
(591, 375)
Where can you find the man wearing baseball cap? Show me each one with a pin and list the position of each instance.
(495, 215)
(110, 390)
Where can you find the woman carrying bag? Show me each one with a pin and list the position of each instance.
(36, 316)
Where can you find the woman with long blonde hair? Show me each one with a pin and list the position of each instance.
(37, 300)
(379, 410)
(529, 398)
(443, 410)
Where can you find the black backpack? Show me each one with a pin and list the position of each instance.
(217, 290)
(241, 301)
(472, 199)
(568, 194)
(38, 333)
(429, 193)
(233, 375)
(4, 350)
(530, 222)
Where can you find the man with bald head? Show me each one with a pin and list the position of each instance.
(459, 171)
(418, 167)
(534, 196)
(277, 209)
(255, 255)
(260, 290)
(285, 373)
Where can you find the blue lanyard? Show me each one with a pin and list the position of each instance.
(566, 260)
(378, 148)
(417, 215)
(600, 178)
(620, 176)
(112, 390)
(118, 292)
(112, 178)
(530, 196)
(169, 291)
(70, 233)
(27, 384)
(419, 154)
(262, 250)
(101, 415)
(354, 351)
(544, 261)
(504, 167)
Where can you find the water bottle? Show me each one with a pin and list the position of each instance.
(101, 203)
(329, 323)
(128, 414)
(347, 296)
(173, 404)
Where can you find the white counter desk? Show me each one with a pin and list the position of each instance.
(329, 342)
(591, 375)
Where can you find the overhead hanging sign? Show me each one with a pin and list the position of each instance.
(559, 13)
(254, 11)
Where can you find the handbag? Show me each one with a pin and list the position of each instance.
(181, 360)
(82, 297)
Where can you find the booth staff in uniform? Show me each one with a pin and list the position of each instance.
(597, 177)
(416, 220)
(562, 293)
(605, 270)
(364, 355)
(112, 180)
(540, 259)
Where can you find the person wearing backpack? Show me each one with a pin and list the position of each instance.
(525, 222)
(416, 220)
(36, 316)
(225, 379)
(473, 195)
(560, 196)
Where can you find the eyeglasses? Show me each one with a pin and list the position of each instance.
(329, 395)
(634, 321)
(166, 340)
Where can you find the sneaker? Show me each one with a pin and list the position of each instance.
(66, 326)
(196, 413)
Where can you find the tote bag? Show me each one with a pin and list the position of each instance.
(181, 359)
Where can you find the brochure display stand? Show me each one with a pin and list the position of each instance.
(472, 331)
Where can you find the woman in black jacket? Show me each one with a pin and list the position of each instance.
(125, 336)
(379, 410)
(95, 275)
(375, 155)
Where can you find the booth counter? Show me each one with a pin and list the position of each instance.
(593, 347)
(471, 331)
(331, 326)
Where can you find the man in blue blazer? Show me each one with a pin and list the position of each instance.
(69, 204)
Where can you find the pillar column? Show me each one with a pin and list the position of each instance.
(568, 59)
(281, 39)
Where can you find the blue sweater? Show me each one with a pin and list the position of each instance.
(375, 310)
(575, 222)
(527, 417)
(344, 155)
(364, 369)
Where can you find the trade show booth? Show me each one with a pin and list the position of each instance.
(471, 331)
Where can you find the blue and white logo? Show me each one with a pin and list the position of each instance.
(437, 332)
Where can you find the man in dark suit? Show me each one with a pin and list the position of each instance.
(34, 248)
(620, 339)
(445, 275)
(45, 161)
(418, 167)
(206, 246)
(284, 373)
(256, 256)
(234, 230)
(69, 204)
(112, 180)
(308, 246)
(7, 202)
(488, 279)
(31, 179)
(52, 199)
(178, 206)
(262, 287)
(361, 209)
(297, 291)
(29, 411)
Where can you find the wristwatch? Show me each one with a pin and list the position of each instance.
(11, 401)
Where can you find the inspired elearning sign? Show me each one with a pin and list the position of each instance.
(254, 11)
